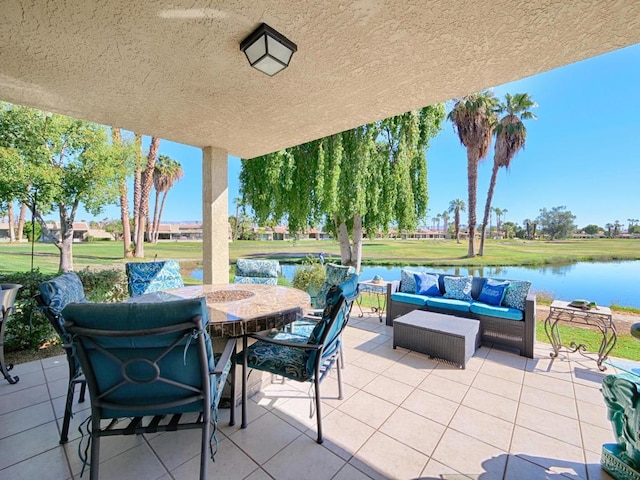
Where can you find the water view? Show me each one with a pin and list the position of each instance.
(605, 283)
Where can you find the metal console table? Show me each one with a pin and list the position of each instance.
(599, 317)
(379, 289)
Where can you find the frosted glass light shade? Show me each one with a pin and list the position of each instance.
(267, 50)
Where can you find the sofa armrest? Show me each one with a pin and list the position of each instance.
(529, 325)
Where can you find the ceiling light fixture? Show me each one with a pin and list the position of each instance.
(268, 50)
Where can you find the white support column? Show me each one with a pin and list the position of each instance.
(215, 223)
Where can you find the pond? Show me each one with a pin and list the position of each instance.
(605, 283)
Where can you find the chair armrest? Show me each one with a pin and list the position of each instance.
(229, 350)
(393, 286)
(304, 346)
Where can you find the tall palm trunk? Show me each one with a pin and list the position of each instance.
(124, 202)
(137, 186)
(164, 198)
(487, 206)
(12, 230)
(145, 191)
(472, 174)
(156, 218)
(21, 220)
(457, 226)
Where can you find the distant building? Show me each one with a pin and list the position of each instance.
(80, 232)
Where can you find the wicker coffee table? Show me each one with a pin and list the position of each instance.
(446, 337)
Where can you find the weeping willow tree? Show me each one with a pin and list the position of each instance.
(356, 181)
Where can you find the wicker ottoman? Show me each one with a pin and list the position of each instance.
(446, 337)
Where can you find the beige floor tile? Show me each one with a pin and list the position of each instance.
(23, 398)
(594, 414)
(505, 372)
(388, 389)
(50, 362)
(300, 412)
(343, 434)
(436, 470)
(134, 464)
(254, 411)
(547, 452)
(548, 384)
(330, 393)
(594, 469)
(349, 472)
(383, 457)
(59, 404)
(498, 386)
(257, 475)
(431, 406)
(413, 430)
(444, 387)
(594, 436)
(50, 464)
(110, 447)
(459, 375)
(520, 469)
(556, 426)
(351, 354)
(367, 408)
(264, 437)
(406, 374)
(506, 358)
(35, 365)
(470, 456)
(547, 365)
(25, 419)
(489, 403)
(317, 463)
(29, 443)
(374, 363)
(230, 463)
(175, 448)
(27, 380)
(551, 402)
(482, 426)
(588, 375)
(591, 395)
(357, 377)
(419, 360)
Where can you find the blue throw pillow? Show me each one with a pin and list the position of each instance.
(408, 281)
(516, 294)
(493, 292)
(458, 288)
(427, 284)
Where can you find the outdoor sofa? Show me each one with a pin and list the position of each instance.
(510, 323)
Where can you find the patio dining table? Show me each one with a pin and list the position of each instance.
(237, 310)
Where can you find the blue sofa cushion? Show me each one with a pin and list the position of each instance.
(496, 311)
(516, 294)
(427, 284)
(411, 298)
(61, 290)
(448, 303)
(493, 292)
(458, 288)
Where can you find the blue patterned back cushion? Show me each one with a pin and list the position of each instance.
(59, 291)
(458, 288)
(335, 275)
(147, 277)
(258, 280)
(408, 281)
(516, 294)
(246, 267)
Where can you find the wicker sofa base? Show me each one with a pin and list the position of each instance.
(446, 337)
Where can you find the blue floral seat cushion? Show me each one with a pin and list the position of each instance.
(62, 290)
(281, 360)
(147, 277)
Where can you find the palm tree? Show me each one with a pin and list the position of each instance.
(511, 135)
(527, 224)
(473, 118)
(456, 206)
(445, 220)
(438, 217)
(609, 226)
(498, 212)
(166, 172)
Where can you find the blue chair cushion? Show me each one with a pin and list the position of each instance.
(496, 311)
(427, 284)
(449, 304)
(516, 294)
(411, 298)
(174, 365)
(458, 288)
(147, 277)
(246, 267)
(493, 292)
(335, 275)
(60, 291)
(256, 280)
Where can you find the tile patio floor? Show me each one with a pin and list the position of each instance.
(402, 416)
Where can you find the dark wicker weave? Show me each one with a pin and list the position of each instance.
(446, 337)
(493, 330)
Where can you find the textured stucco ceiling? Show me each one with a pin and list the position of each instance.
(174, 69)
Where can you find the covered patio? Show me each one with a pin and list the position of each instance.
(402, 416)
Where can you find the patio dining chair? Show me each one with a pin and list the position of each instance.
(257, 271)
(148, 277)
(152, 363)
(306, 358)
(335, 275)
(53, 296)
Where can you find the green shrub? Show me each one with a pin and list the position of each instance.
(310, 276)
(28, 328)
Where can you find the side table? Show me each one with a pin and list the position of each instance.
(379, 290)
(599, 317)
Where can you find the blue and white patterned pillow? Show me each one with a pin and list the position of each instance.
(427, 284)
(516, 294)
(408, 280)
(458, 288)
(248, 267)
(62, 290)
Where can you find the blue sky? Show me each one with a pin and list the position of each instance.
(581, 152)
